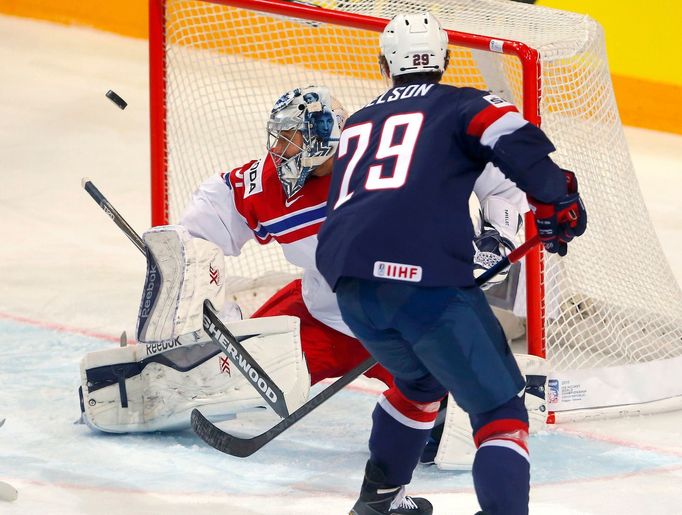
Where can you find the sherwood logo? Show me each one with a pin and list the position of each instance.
(238, 360)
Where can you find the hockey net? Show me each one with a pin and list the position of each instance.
(608, 316)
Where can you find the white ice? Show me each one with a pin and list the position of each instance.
(70, 281)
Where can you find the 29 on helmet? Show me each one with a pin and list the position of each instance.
(303, 132)
(414, 43)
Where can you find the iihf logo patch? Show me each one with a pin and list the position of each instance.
(397, 271)
(552, 391)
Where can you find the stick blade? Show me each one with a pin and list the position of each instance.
(8, 492)
(219, 439)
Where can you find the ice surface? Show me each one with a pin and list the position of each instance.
(70, 283)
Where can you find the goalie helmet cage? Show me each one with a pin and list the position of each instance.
(608, 316)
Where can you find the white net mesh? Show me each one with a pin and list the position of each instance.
(612, 300)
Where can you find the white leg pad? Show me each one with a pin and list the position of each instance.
(456, 450)
(155, 387)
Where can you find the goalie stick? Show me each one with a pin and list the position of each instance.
(113, 214)
(217, 331)
(246, 364)
(244, 447)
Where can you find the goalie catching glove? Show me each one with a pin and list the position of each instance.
(497, 227)
(560, 221)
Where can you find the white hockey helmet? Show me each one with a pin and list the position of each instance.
(414, 43)
(319, 118)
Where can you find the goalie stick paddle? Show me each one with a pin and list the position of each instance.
(244, 447)
(222, 337)
(246, 364)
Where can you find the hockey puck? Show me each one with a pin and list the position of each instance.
(116, 99)
(8, 492)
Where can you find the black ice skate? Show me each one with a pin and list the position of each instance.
(376, 498)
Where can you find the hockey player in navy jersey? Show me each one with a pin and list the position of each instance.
(281, 198)
(396, 248)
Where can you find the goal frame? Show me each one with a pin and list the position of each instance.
(531, 93)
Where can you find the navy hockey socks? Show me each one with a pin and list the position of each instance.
(399, 433)
(502, 480)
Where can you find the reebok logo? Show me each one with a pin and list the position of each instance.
(155, 348)
(397, 271)
(288, 202)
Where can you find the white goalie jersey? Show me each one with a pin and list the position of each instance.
(249, 203)
(155, 386)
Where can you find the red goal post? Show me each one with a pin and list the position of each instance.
(608, 316)
(527, 56)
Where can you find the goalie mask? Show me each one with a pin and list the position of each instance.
(303, 132)
(414, 43)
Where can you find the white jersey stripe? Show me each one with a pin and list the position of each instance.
(509, 444)
(504, 125)
(294, 213)
(395, 414)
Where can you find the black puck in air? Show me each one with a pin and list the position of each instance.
(116, 99)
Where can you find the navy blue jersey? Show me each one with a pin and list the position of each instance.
(406, 165)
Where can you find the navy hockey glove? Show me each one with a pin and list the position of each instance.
(561, 221)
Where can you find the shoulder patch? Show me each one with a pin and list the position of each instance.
(253, 179)
(497, 101)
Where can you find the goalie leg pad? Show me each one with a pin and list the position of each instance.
(181, 272)
(155, 387)
(456, 450)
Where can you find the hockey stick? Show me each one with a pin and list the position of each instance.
(113, 214)
(220, 335)
(243, 447)
(246, 364)
(513, 257)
